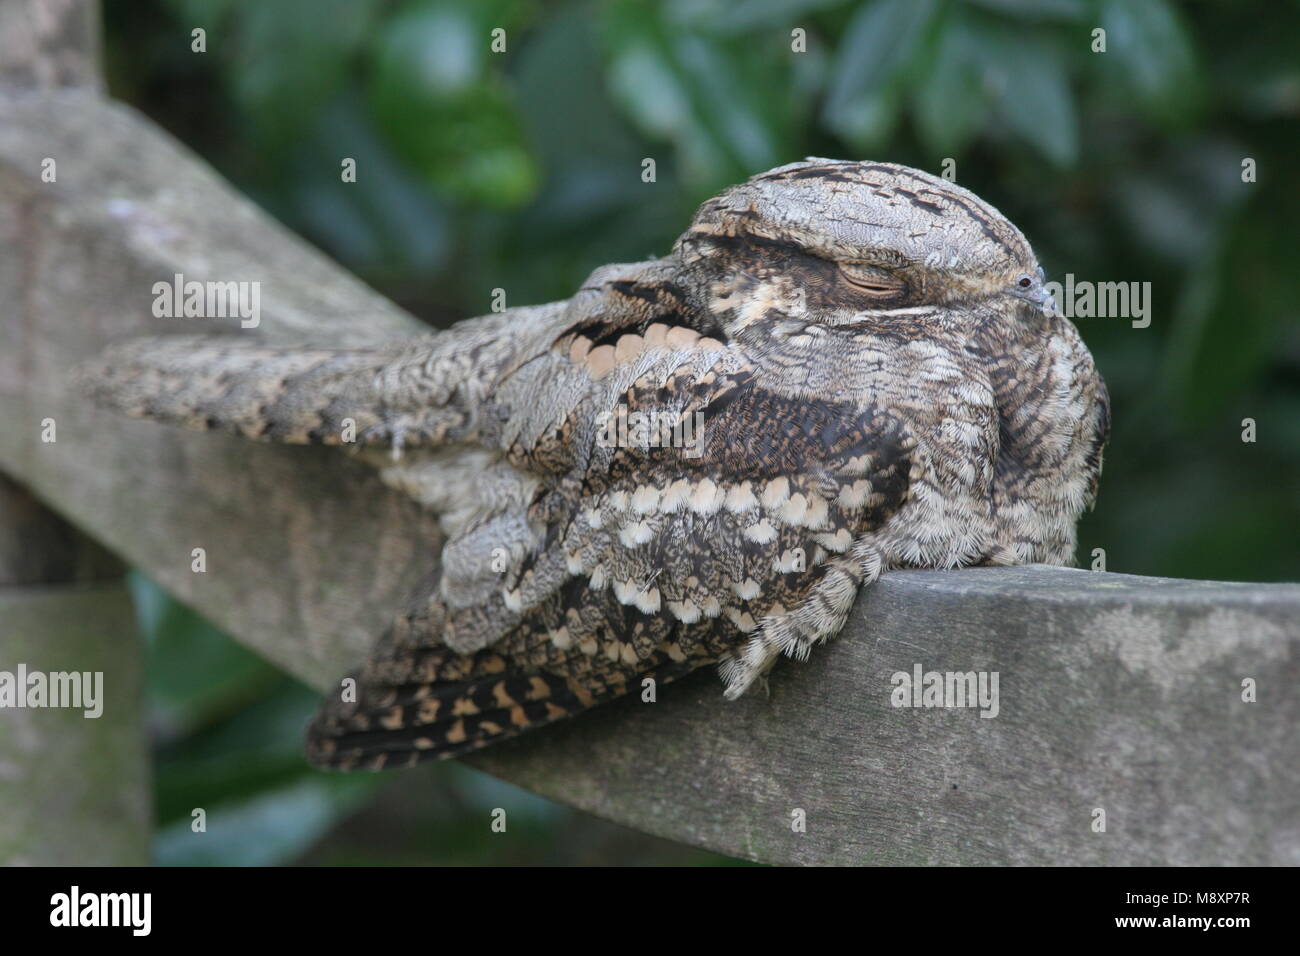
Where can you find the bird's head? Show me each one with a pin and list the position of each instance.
(859, 245)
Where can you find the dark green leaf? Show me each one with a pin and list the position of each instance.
(880, 44)
(1149, 44)
(951, 102)
(1030, 85)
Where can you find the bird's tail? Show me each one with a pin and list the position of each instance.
(373, 725)
(412, 704)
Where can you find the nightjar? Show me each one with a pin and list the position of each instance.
(841, 368)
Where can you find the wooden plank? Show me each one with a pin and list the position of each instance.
(50, 44)
(1116, 693)
(75, 788)
(74, 780)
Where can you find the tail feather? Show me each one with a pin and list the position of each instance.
(402, 726)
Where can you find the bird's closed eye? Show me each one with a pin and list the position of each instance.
(872, 279)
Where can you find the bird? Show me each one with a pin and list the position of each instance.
(841, 369)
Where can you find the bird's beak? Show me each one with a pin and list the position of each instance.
(1047, 302)
(1039, 295)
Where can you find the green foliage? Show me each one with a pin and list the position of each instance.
(522, 170)
(442, 106)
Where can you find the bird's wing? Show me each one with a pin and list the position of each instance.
(691, 515)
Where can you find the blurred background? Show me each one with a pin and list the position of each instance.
(522, 169)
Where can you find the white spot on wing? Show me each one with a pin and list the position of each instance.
(776, 492)
(740, 498)
(688, 612)
(645, 500)
(635, 534)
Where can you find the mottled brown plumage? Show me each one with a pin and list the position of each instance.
(882, 383)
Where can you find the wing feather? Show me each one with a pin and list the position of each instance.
(653, 557)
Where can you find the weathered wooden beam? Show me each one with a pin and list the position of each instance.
(50, 45)
(1116, 693)
(74, 780)
(74, 788)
